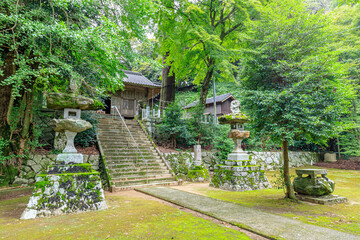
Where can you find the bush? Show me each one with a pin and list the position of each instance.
(180, 163)
(88, 137)
(173, 127)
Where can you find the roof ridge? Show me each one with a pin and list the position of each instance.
(131, 72)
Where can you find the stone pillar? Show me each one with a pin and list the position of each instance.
(330, 157)
(60, 141)
(197, 155)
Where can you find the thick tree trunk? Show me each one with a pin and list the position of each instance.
(5, 91)
(167, 86)
(289, 192)
(206, 85)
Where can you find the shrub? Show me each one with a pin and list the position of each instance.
(88, 137)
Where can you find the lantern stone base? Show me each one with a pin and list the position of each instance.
(240, 176)
(238, 156)
(70, 158)
(324, 200)
(66, 189)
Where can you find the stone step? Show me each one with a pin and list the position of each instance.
(118, 125)
(131, 158)
(129, 165)
(137, 169)
(134, 163)
(116, 152)
(125, 188)
(109, 151)
(121, 136)
(133, 131)
(129, 146)
(126, 166)
(136, 177)
(127, 150)
(111, 156)
(135, 174)
(124, 141)
(119, 183)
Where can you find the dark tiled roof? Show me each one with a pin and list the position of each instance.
(138, 79)
(219, 98)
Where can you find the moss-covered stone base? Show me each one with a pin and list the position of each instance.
(239, 178)
(66, 189)
(198, 174)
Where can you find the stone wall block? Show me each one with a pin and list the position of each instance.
(37, 158)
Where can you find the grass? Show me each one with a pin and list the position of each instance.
(343, 217)
(126, 218)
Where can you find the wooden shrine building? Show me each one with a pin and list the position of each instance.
(138, 89)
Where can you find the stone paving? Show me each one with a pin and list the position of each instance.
(267, 224)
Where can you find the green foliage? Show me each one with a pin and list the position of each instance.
(45, 45)
(221, 143)
(201, 133)
(4, 151)
(88, 137)
(173, 125)
(198, 173)
(180, 163)
(349, 142)
(294, 85)
(205, 39)
(278, 179)
(7, 174)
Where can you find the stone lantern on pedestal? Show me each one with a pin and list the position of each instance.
(236, 173)
(70, 185)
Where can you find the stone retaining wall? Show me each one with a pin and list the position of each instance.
(272, 160)
(39, 163)
(208, 158)
(268, 160)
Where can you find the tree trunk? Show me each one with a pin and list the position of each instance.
(24, 137)
(5, 91)
(167, 86)
(289, 192)
(206, 83)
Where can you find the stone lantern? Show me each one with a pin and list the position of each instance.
(236, 173)
(70, 185)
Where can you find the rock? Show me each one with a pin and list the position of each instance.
(93, 159)
(37, 168)
(20, 181)
(59, 101)
(28, 214)
(70, 124)
(38, 158)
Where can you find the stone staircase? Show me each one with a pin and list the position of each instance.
(126, 167)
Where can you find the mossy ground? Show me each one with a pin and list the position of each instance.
(343, 217)
(126, 218)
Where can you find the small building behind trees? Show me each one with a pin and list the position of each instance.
(222, 104)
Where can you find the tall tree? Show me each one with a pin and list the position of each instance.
(44, 44)
(206, 41)
(166, 26)
(293, 84)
